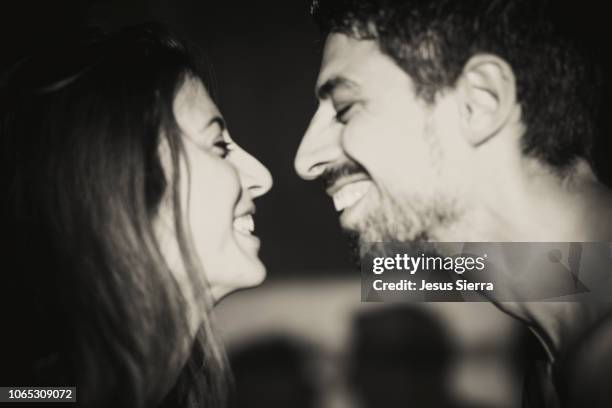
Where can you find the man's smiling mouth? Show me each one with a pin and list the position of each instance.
(347, 194)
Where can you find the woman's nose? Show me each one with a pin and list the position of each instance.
(254, 176)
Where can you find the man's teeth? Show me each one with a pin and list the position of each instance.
(244, 224)
(350, 194)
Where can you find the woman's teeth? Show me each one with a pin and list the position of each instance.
(244, 224)
(350, 194)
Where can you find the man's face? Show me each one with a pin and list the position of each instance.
(379, 149)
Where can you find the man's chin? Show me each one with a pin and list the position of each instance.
(354, 242)
(361, 242)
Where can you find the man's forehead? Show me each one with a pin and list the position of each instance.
(346, 57)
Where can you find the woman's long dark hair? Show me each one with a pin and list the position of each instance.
(90, 300)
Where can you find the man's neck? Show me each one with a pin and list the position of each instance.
(538, 206)
(559, 325)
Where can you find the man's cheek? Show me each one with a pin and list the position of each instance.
(366, 146)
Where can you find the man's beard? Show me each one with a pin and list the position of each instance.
(401, 216)
(410, 220)
(392, 219)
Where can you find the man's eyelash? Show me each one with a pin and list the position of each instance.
(340, 114)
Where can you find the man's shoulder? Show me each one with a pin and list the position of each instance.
(583, 374)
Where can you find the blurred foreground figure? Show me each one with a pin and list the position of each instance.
(401, 357)
(272, 373)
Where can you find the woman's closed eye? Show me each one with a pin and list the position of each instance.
(222, 147)
(215, 138)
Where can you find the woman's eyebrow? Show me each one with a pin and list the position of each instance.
(215, 120)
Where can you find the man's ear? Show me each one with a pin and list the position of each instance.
(487, 95)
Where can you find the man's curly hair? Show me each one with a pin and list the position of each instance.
(431, 40)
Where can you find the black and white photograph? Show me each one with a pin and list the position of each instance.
(306, 204)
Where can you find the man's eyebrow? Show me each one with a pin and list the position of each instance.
(329, 86)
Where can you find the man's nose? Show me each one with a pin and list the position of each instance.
(320, 146)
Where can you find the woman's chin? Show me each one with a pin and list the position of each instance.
(250, 273)
(254, 274)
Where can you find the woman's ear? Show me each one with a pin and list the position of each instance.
(487, 95)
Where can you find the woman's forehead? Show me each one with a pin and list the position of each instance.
(193, 107)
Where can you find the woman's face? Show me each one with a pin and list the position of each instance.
(219, 181)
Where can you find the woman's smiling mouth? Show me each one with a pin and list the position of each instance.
(244, 224)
